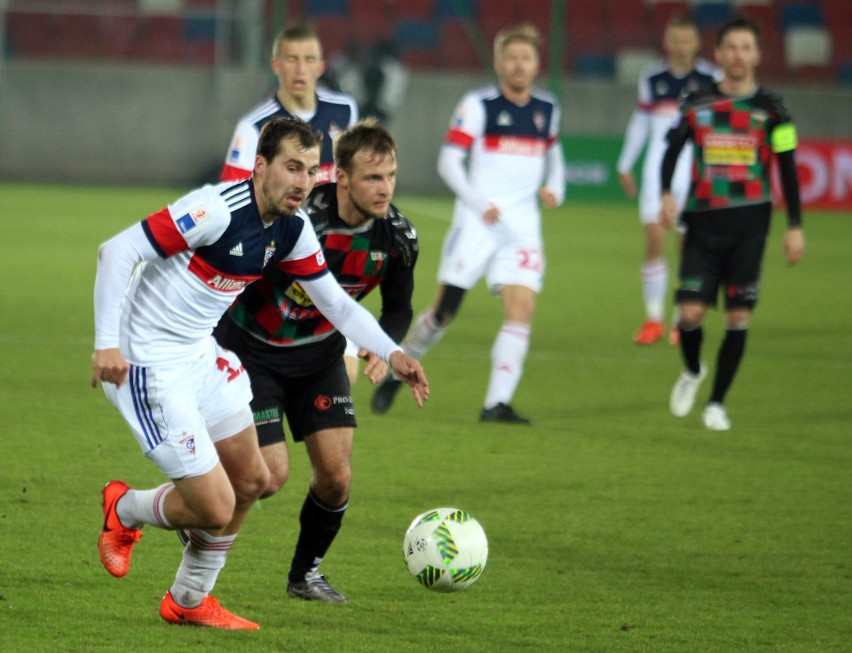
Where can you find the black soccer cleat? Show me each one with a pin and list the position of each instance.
(384, 395)
(315, 588)
(502, 413)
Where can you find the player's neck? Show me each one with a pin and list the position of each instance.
(516, 97)
(738, 87)
(307, 104)
(680, 68)
(348, 212)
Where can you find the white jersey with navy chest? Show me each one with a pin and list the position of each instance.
(507, 143)
(661, 92)
(212, 244)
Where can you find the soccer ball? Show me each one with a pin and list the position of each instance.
(445, 549)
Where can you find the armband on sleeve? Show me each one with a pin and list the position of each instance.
(784, 138)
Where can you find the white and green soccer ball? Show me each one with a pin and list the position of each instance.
(445, 549)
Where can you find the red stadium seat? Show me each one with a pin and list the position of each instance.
(415, 9)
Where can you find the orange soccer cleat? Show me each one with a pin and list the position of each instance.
(209, 614)
(649, 333)
(115, 543)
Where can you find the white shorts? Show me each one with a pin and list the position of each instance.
(176, 413)
(473, 249)
(651, 191)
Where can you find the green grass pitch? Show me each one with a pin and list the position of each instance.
(612, 525)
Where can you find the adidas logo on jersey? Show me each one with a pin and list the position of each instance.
(504, 119)
(236, 250)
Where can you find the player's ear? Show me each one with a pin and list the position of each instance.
(259, 164)
(341, 176)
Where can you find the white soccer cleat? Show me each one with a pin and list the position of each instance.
(715, 417)
(683, 393)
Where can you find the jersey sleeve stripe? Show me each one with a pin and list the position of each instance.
(310, 267)
(163, 234)
(458, 137)
(233, 173)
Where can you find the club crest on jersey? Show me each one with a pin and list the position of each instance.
(661, 87)
(268, 253)
(377, 256)
(539, 120)
(190, 220)
(504, 119)
(320, 258)
(704, 117)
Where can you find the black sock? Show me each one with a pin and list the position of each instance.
(690, 347)
(730, 355)
(320, 523)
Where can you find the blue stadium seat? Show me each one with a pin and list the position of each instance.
(594, 65)
(711, 15)
(449, 9)
(327, 8)
(416, 35)
(801, 15)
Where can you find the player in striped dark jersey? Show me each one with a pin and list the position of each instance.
(161, 286)
(297, 61)
(661, 88)
(736, 128)
(294, 355)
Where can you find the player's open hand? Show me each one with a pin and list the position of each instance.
(109, 366)
(375, 369)
(409, 371)
(794, 245)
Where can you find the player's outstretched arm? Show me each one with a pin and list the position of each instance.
(411, 372)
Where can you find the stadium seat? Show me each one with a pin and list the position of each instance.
(317, 8)
(594, 65)
(160, 39)
(455, 9)
(76, 36)
(418, 43)
(710, 15)
(28, 34)
(801, 15)
(815, 74)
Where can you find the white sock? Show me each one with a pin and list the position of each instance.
(425, 334)
(507, 362)
(655, 279)
(138, 507)
(203, 559)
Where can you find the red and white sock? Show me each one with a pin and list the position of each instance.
(655, 280)
(138, 507)
(203, 558)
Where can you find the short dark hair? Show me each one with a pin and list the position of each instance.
(738, 23)
(278, 129)
(366, 135)
(295, 32)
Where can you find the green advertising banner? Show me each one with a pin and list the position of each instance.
(590, 167)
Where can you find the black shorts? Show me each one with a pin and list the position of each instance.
(712, 259)
(314, 402)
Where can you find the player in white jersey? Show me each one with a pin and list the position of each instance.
(297, 61)
(161, 286)
(510, 136)
(661, 86)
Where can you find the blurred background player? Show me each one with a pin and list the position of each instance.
(160, 288)
(297, 61)
(661, 87)
(735, 127)
(294, 355)
(509, 135)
